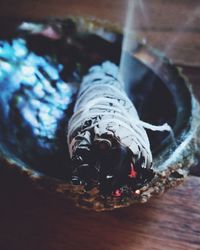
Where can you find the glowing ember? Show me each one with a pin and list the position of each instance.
(133, 173)
(117, 193)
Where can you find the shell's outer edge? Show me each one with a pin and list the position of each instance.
(164, 178)
(93, 24)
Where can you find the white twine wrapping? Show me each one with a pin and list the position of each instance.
(103, 100)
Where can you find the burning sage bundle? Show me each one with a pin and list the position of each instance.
(108, 144)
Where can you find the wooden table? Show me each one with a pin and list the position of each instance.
(35, 219)
(32, 219)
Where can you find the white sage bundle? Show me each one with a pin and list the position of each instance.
(108, 144)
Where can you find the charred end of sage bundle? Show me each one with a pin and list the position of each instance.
(108, 145)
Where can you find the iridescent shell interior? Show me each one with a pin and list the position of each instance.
(41, 68)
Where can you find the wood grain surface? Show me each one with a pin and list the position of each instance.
(36, 219)
(170, 25)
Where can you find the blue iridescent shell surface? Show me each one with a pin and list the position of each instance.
(34, 104)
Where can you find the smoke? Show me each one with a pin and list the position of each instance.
(171, 36)
(135, 9)
(181, 29)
